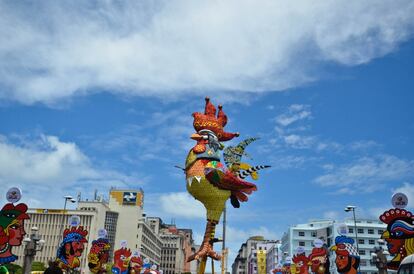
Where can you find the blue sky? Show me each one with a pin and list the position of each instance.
(107, 101)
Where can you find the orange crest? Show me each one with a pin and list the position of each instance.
(209, 121)
(126, 252)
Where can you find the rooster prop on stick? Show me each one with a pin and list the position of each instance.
(208, 180)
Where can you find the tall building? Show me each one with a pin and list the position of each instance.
(129, 204)
(176, 246)
(257, 260)
(368, 232)
(253, 255)
(273, 256)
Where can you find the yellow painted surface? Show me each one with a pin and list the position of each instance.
(261, 262)
(118, 195)
(55, 211)
(210, 196)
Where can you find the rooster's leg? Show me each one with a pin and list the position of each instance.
(206, 248)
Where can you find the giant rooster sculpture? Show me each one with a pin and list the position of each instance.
(208, 180)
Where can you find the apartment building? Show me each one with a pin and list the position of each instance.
(367, 231)
(247, 262)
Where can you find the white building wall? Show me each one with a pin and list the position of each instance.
(51, 224)
(129, 216)
(328, 230)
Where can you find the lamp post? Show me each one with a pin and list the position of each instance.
(352, 208)
(62, 225)
(224, 250)
(379, 257)
(68, 198)
(33, 244)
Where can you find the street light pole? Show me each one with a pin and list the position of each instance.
(33, 244)
(62, 224)
(356, 230)
(352, 208)
(224, 250)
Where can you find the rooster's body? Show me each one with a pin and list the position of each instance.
(207, 179)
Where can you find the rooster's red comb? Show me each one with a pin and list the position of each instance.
(393, 214)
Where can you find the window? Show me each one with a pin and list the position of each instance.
(360, 230)
(370, 231)
(313, 233)
(301, 243)
(362, 252)
(302, 233)
(380, 231)
(361, 241)
(371, 242)
(350, 230)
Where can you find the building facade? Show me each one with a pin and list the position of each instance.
(164, 245)
(367, 232)
(253, 255)
(273, 257)
(51, 224)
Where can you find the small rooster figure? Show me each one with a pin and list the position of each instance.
(207, 179)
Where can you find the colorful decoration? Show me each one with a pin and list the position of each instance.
(11, 230)
(301, 262)
(208, 180)
(209, 121)
(347, 257)
(121, 260)
(286, 267)
(232, 158)
(319, 260)
(151, 270)
(399, 235)
(135, 264)
(71, 248)
(278, 270)
(98, 255)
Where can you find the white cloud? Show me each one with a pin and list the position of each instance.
(363, 145)
(49, 163)
(57, 162)
(332, 215)
(54, 50)
(181, 204)
(295, 113)
(236, 235)
(406, 188)
(367, 173)
(149, 138)
(375, 212)
(289, 161)
(299, 141)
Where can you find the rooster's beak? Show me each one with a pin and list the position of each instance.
(385, 235)
(196, 136)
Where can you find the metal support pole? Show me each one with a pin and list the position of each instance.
(356, 231)
(356, 236)
(224, 253)
(29, 253)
